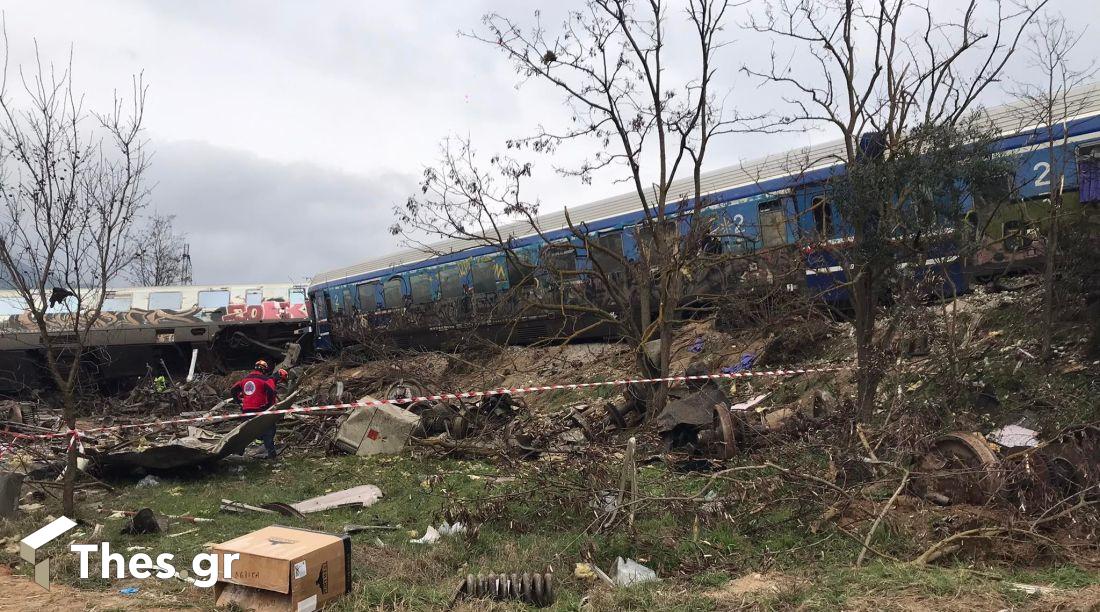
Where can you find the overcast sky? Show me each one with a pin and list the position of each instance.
(286, 132)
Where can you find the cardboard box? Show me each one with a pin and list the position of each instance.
(285, 569)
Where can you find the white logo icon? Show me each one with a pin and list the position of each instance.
(28, 548)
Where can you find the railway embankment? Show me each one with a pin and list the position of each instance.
(973, 485)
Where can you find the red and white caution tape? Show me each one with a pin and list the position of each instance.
(75, 435)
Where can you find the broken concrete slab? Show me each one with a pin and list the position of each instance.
(363, 496)
(376, 430)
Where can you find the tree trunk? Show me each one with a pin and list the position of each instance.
(867, 375)
(1048, 280)
(69, 485)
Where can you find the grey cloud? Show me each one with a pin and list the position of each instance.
(249, 219)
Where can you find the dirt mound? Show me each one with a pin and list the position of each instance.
(754, 587)
(21, 594)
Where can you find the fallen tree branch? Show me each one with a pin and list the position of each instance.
(881, 515)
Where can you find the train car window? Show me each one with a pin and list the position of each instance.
(165, 300)
(253, 297)
(11, 307)
(274, 294)
(335, 306)
(823, 216)
(212, 300)
(368, 297)
(117, 303)
(484, 277)
(319, 305)
(392, 293)
(297, 296)
(773, 224)
(560, 258)
(420, 287)
(645, 236)
(349, 300)
(998, 190)
(520, 267)
(450, 282)
(608, 262)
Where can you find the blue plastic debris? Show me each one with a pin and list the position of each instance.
(129, 591)
(697, 346)
(746, 362)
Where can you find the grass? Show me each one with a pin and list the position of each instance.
(539, 529)
(542, 520)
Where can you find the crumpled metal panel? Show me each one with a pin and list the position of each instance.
(185, 452)
(696, 409)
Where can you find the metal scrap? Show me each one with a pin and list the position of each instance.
(184, 452)
(1014, 467)
(535, 589)
(699, 424)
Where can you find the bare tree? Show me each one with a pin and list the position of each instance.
(896, 84)
(158, 262)
(608, 62)
(1048, 105)
(72, 189)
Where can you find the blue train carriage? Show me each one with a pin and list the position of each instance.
(1003, 227)
(774, 210)
(418, 298)
(1009, 225)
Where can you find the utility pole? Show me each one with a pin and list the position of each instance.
(185, 266)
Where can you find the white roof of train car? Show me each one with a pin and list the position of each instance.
(11, 302)
(1007, 118)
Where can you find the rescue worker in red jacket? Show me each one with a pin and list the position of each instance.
(256, 393)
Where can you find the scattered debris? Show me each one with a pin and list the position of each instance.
(1033, 589)
(229, 505)
(591, 571)
(145, 521)
(532, 588)
(376, 430)
(148, 481)
(433, 534)
(362, 496)
(629, 572)
(174, 517)
(700, 423)
(186, 451)
(1014, 436)
(11, 485)
(1033, 476)
(353, 529)
(960, 468)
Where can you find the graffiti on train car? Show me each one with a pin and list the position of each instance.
(269, 310)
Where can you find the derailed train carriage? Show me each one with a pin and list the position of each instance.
(155, 329)
(412, 298)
